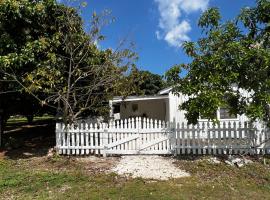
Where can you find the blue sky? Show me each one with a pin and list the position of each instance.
(158, 27)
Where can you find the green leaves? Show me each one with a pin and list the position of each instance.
(209, 19)
(173, 75)
(189, 48)
(46, 51)
(139, 83)
(228, 61)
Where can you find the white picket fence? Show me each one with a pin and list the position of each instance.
(147, 136)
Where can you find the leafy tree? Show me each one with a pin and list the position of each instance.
(231, 53)
(25, 26)
(56, 60)
(144, 82)
(151, 83)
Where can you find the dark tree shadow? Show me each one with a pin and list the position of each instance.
(22, 140)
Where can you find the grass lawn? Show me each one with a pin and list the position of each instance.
(28, 173)
(17, 120)
(65, 178)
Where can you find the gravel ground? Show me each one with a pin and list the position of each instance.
(148, 167)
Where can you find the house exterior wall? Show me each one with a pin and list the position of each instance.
(163, 109)
(179, 115)
(155, 109)
(176, 114)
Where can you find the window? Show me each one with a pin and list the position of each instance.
(116, 108)
(224, 114)
(214, 114)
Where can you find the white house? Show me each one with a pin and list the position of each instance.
(162, 106)
(151, 135)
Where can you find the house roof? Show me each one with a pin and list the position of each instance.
(165, 91)
(162, 94)
(139, 98)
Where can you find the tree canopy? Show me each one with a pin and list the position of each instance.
(145, 82)
(231, 54)
(26, 30)
(56, 60)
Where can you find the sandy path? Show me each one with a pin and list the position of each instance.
(148, 167)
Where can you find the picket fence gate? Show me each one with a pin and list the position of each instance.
(148, 136)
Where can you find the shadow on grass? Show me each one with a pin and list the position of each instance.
(22, 140)
(196, 157)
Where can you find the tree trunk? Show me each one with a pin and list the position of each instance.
(1, 130)
(3, 122)
(30, 119)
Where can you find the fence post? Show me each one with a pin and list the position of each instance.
(138, 127)
(251, 137)
(104, 139)
(259, 137)
(172, 137)
(58, 137)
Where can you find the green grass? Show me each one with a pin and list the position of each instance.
(20, 119)
(63, 179)
(39, 177)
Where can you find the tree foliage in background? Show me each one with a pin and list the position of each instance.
(139, 82)
(24, 25)
(55, 60)
(144, 82)
(149, 83)
(231, 53)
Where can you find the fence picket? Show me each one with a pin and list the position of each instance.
(149, 136)
(226, 136)
(91, 137)
(159, 134)
(198, 139)
(219, 142)
(124, 134)
(81, 133)
(241, 139)
(77, 139)
(132, 143)
(177, 137)
(155, 134)
(214, 139)
(121, 146)
(152, 136)
(96, 137)
(63, 140)
(72, 139)
(86, 132)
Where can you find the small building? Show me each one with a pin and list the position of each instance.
(162, 106)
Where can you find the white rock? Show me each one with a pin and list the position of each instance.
(148, 167)
(228, 162)
(239, 162)
(214, 160)
(247, 161)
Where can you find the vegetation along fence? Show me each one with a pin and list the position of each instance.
(147, 136)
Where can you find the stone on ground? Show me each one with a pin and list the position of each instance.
(148, 167)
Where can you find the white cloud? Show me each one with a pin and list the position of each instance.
(172, 28)
(159, 37)
(178, 34)
(194, 5)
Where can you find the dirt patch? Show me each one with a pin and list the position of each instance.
(148, 167)
(89, 165)
(2, 154)
(97, 164)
